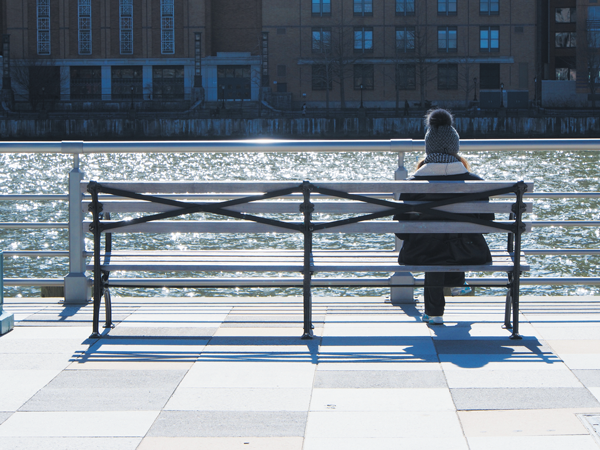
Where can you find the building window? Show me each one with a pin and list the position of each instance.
(489, 39)
(405, 7)
(489, 7)
(446, 7)
(565, 39)
(167, 82)
(363, 40)
(85, 27)
(363, 7)
(126, 26)
(565, 15)
(321, 7)
(565, 68)
(447, 77)
(406, 78)
(321, 40)
(364, 74)
(167, 27)
(447, 39)
(43, 27)
(281, 87)
(126, 83)
(489, 76)
(281, 70)
(321, 77)
(405, 39)
(86, 83)
(233, 82)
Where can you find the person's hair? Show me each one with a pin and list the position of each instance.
(438, 118)
(462, 160)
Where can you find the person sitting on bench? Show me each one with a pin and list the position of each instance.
(441, 162)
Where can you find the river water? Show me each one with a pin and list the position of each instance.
(561, 171)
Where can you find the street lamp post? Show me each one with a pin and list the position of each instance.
(475, 89)
(361, 96)
(501, 95)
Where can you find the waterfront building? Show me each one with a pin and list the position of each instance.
(338, 53)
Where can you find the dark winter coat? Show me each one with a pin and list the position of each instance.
(441, 249)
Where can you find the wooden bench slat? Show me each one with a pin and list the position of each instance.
(235, 226)
(198, 187)
(122, 206)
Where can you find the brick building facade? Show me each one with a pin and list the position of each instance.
(378, 53)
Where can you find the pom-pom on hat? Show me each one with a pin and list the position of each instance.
(442, 142)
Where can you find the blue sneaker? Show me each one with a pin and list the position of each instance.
(460, 290)
(425, 318)
(436, 320)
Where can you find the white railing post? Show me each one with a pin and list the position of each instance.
(403, 294)
(7, 321)
(77, 285)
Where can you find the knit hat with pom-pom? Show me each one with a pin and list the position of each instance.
(442, 142)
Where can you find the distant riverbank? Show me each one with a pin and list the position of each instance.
(145, 127)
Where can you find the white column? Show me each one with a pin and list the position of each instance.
(147, 82)
(77, 284)
(65, 83)
(7, 321)
(106, 83)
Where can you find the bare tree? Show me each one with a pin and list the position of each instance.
(40, 79)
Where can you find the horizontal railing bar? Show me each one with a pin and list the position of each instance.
(270, 145)
(560, 251)
(297, 282)
(565, 223)
(22, 197)
(33, 225)
(35, 253)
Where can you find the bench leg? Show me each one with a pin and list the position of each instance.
(508, 306)
(108, 308)
(515, 308)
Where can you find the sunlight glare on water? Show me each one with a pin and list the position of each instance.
(48, 174)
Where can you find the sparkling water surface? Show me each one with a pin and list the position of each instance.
(562, 171)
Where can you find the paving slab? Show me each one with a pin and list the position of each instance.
(36, 361)
(266, 333)
(18, 386)
(66, 443)
(378, 379)
(543, 422)
(523, 398)
(78, 424)
(569, 332)
(229, 424)
(589, 378)
(47, 346)
(160, 319)
(476, 378)
(379, 365)
(101, 390)
(581, 361)
(385, 443)
(396, 330)
(492, 346)
(416, 399)
(223, 443)
(162, 332)
(532, 443)
(239, 399)
(253, 374)
(4, 415)
(367, 424)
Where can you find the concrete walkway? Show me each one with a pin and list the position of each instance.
(232, 373)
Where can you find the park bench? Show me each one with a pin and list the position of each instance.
(258, 208)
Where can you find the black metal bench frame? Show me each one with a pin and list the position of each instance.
(307, 228)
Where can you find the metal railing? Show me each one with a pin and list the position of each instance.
(77, 284)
